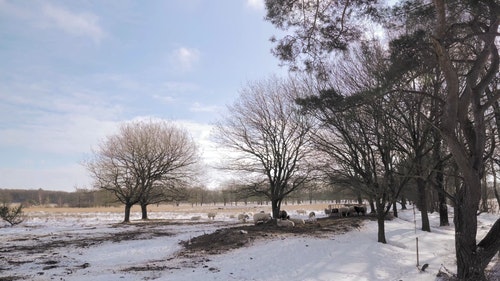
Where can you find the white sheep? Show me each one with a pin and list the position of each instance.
(297, 221)
(285, 223)
(261, 218)
(243, 217)
(211, 215)
(344, 211)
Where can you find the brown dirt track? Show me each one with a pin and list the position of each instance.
(226, 239)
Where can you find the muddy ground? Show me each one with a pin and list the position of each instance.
(226, 239)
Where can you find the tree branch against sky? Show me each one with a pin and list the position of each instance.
(463, 37)
(144, 161)
(316, 29)
(270, 138)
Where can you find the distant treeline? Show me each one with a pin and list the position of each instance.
(83, 198)
(41, 197)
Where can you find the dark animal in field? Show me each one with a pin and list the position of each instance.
(283, 215)
(334, 211)
(312, 216)
(424, 267)
(328, 211)
(360, 210)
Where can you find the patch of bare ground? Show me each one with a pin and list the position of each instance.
(197, 250)
(226, 239)
(47, 251)
(44, 246)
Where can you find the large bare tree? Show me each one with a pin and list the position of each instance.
(464, 41)
(269, 137)
(146, 162)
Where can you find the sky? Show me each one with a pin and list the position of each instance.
(72, 71)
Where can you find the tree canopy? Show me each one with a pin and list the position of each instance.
(146, 162)
(270, 138)
(453, 41)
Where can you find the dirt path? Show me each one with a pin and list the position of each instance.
(226, 239)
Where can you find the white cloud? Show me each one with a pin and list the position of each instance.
(198, 107)
(78, 24)
(184, 59)
(212, 153)
(256, 4)
(164, 99)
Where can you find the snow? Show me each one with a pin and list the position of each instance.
(355, 255)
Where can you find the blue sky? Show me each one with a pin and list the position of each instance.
(72, 71)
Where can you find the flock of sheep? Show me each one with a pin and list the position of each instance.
(262, 217)
(284, 220)
(346, 210)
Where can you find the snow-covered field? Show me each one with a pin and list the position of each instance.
(80, 246)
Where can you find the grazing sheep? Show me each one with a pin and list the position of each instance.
(344, 211)
(196, 218)
(297, 221)
(243, 217)
(211, 215)
(285, 223)
(301, 212)
(361, 209)
(334, 211)
(283, 215)
(312, 216)
(259, 218)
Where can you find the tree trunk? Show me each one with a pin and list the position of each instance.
(443, 210)
(443, 207)
(395, 209)
(422, 204)
(127, 212)
(381, 228)
(490, 244)
(484, 195)
(144, 211)
(276, 206)
(469, 265)
(403, 202)
(381, 222)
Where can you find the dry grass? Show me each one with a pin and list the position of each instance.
(183, 208)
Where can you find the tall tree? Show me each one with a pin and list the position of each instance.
(463, 35)
(142, 162)
(472, 28)
(359, 144)
(270, 139)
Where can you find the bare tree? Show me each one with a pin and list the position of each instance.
(13, 215)
(142, 162)
(270, 138)
(463, 36)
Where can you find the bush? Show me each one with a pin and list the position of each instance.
(14, 215)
